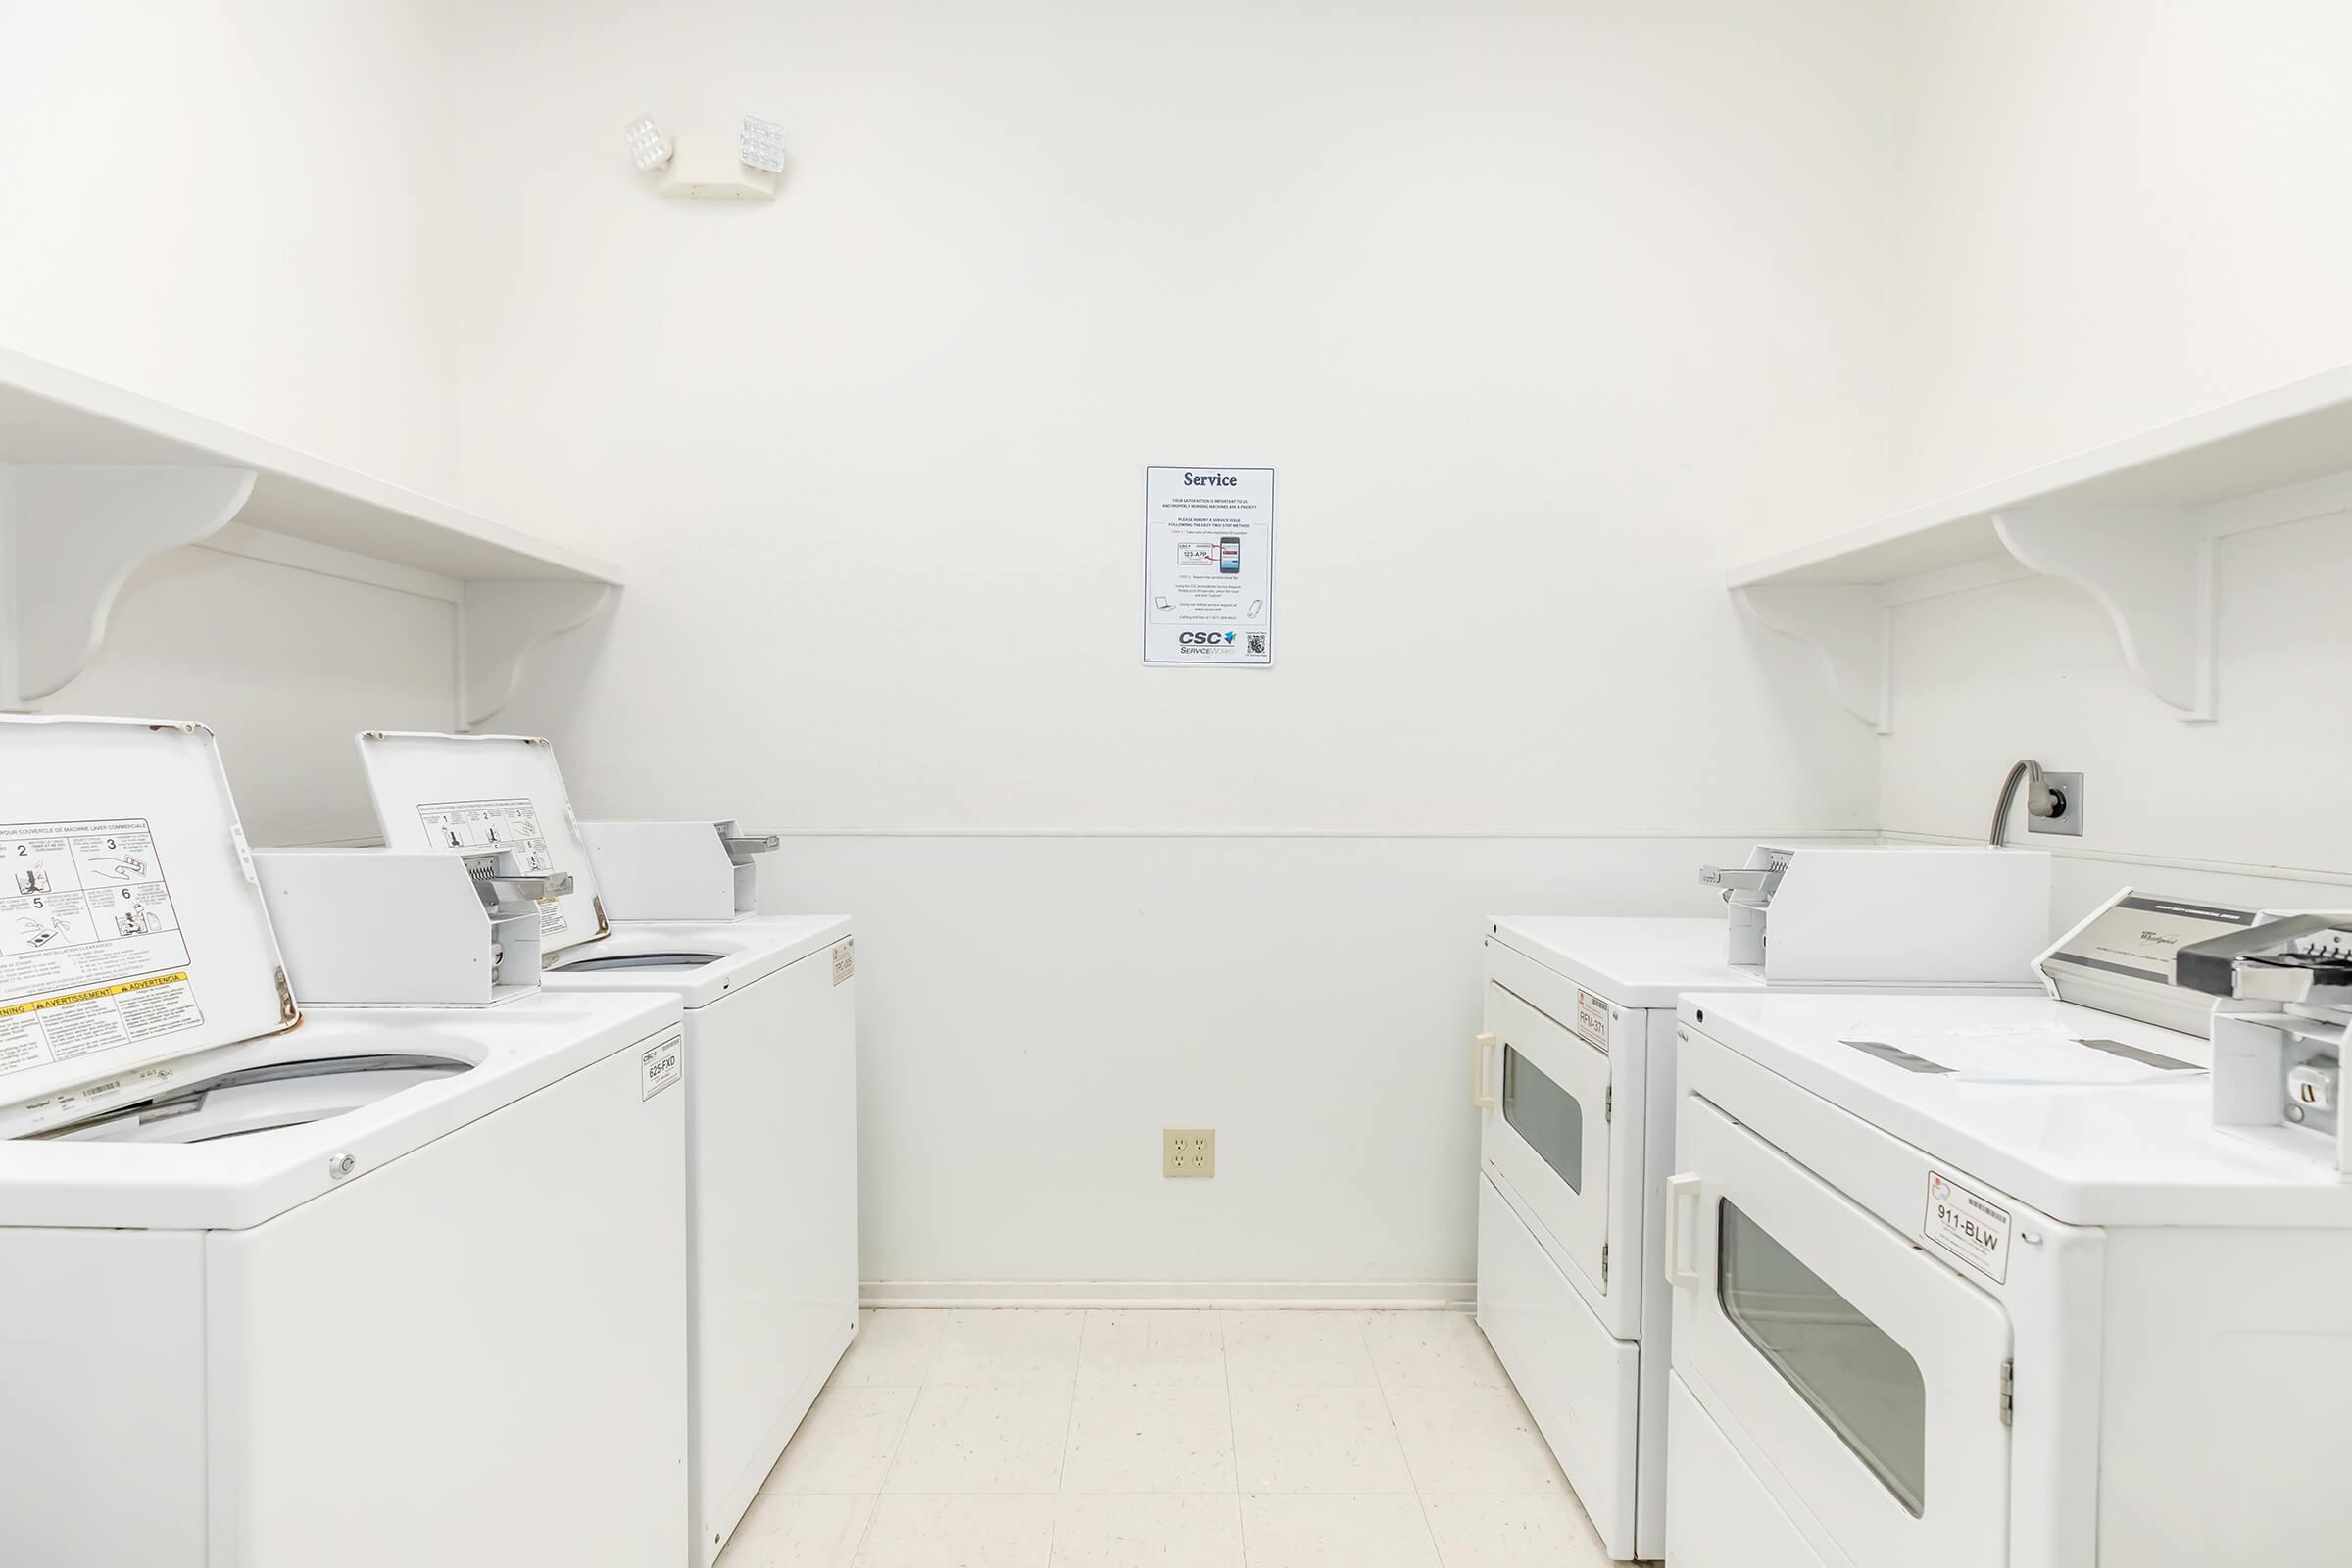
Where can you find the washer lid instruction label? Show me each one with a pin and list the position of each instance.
(1971, 1228)
(475, 827)
(1208, 566)
(90, 949)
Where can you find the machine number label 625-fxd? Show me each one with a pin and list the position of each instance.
(661, 1065)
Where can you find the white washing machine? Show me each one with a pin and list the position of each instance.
(1974, 1281)
(771, 1092)
(1574, 1080)
(369, 1287)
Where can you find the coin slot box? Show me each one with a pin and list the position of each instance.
(677, 870)
(402, 928)
(1909, 914)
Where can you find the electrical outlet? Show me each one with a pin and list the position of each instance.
(1188, 1151)
(2068, 820)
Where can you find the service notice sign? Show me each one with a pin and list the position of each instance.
(1208, 566)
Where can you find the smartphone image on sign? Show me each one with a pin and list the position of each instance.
(1229, 553)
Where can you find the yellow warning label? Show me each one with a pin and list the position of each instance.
(71, 998)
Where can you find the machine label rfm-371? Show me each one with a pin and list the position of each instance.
(1593, 1020)
(1969, 1226)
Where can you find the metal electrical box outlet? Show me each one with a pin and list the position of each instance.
(1188, 1152)
(2068, 820)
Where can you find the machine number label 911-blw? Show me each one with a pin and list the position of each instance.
(1969, 1226)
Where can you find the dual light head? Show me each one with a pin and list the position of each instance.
(761, 144)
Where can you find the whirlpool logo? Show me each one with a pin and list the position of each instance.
(1205, 639)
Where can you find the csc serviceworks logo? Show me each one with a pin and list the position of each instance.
(1205, 639)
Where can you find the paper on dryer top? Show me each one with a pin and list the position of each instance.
(1634, 961)
(132, 932)
(2035, 1052)
(471, 793)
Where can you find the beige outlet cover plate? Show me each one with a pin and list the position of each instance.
(1188, 1152)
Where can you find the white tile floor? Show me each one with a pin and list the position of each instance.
(1167, 1440)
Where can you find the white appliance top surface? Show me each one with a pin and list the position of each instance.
(1633, 961)
(748, 948)
(236, 1183)
(1647, 961)
(2087, 1135)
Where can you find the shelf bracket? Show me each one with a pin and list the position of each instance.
(70, 536)
(2150, 569)
(1845, 624)
(499, 623)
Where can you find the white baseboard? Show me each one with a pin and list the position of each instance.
(1304, 1295)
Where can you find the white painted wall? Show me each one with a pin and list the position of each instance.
(1526, 308)
(1034, 1010)
(242, 208)
(1535, 310)
(2109, 215)
(245, 208)
(2032, 668)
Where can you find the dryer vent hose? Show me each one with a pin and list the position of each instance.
(2040, 799)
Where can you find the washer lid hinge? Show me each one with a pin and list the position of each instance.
(1608, 1103)
(1604, 1265)
(2008, 1393)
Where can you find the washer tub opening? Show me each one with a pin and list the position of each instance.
(260, 1100)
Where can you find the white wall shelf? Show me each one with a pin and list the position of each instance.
(2132, 523)
(95, 480)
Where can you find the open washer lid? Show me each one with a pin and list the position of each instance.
(132, 932)
(468, 793)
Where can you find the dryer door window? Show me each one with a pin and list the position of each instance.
(1550, 1118)
(1854, 1374)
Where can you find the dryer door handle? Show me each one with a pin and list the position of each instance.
(1680, 1188)
(1479, 1096)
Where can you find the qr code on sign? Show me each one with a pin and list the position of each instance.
(1258, 642)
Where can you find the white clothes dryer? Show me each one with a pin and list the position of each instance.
(1574, 1080)
(771, 1092)
(1963, 1282)
(365, 1286)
